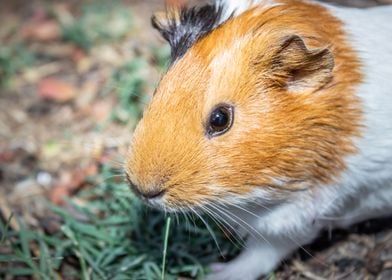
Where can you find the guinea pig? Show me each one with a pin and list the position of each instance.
(275, 118)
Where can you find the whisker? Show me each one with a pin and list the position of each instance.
(297, 243)
(238, 242)
(208, 228)
(187, 226)
(243, 224)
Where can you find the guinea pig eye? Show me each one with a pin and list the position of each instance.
(220, 120)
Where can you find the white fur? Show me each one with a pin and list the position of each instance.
(364, 190)
(236, 7)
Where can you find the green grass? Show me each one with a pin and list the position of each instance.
(161, 57)
(13, 59)
(165, 244)
(118, 239)
(129, 84)
(99, 22)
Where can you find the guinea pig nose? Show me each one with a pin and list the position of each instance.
(153, 194)
(148, 194)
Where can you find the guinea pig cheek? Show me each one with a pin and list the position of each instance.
(236, 158)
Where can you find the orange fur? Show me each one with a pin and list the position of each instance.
(295, 117)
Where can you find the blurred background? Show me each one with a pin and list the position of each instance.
(74, 79)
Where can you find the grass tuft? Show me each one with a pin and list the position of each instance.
(13, 59)
(99, 22)
(118, 238)
(129, 83)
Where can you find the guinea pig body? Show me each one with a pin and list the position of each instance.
(275, 117)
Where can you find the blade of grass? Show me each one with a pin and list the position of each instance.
(272, 276)
(45, 260)
(166, 241)
(108, 255)
(151, 270)
(8, 259)
(17, 271)
(71, 235)
(4, 228)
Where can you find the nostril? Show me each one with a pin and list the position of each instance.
(149, 194)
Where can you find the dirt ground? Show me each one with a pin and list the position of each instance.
(49, 141)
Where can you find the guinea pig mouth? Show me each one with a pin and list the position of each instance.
(156, 203)
(151, 197)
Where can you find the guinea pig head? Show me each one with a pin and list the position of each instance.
(244, 111)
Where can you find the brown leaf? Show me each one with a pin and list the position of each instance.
(70, 182)
(87, 93)
(78, 55)
(58, 193)
(56, 90)
(101, 110)
(7, 156)
(42, 30)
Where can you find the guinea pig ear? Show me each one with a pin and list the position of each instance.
(301, 69)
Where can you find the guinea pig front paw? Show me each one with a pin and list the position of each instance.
(232, 271)
(217, 267)
(257, 259)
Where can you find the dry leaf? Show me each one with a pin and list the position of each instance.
(70, 182)
(101, 110)
(56, 90)
(7, 156)
(42, 30)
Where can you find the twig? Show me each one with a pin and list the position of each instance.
(306, 272)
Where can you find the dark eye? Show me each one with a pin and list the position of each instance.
(220, 120)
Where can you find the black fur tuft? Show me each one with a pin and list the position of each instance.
(188, 27)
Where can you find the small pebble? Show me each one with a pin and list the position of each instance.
(44, 179)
